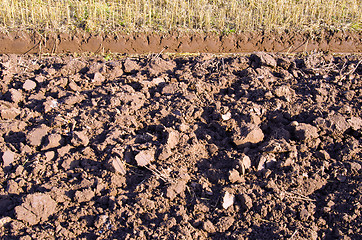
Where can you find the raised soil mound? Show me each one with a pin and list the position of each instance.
(263, 146)
(141, 43)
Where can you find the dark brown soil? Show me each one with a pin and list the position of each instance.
(264, 146)
(291, 42)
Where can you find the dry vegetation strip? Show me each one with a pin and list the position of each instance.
(168, 15)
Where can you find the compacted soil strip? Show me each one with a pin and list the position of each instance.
(140, 43)
(264, 146)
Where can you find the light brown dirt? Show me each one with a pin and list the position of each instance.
(144, 43)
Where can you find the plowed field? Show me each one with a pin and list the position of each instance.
(262, 146)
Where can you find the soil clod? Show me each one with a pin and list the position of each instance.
(36, 208)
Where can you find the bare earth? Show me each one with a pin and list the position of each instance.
(139, 43)
(262, 146)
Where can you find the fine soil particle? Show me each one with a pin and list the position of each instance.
(266, 146)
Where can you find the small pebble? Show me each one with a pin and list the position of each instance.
(228, 200)
(8, 158)
(29, 85)
(226, 116)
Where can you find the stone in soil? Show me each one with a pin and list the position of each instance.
(228, 200)
(73, 86)
(226, 116)
(29, 85)
(8, 158)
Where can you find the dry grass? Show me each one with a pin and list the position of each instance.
(169, 15)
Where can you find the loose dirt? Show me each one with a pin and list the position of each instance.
(263, 146)
(143, 43)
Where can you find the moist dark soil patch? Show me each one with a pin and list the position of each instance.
(141, 43)
(264, 146)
